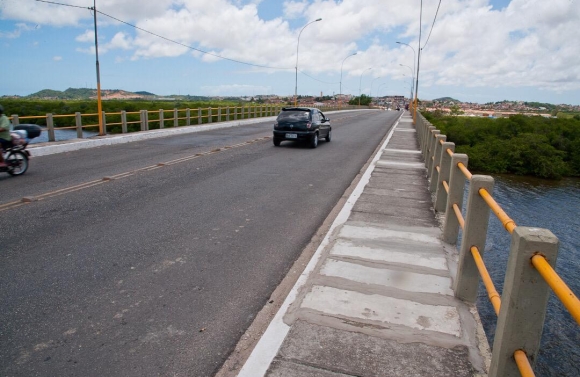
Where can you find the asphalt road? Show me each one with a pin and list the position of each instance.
(159, 270)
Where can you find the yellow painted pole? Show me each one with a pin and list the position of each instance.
(560, 288)
(523, 364)
(99, 104)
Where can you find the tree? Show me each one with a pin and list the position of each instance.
(456, 110)
(364, 100)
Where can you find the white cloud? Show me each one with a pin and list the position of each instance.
(527, 43)
(57, 58)
(20, 27)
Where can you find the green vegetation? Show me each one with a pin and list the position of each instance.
(522, 145)
(364, 100)
(29, 107)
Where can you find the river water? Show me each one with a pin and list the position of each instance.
(554, 205)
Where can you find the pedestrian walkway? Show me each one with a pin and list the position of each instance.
(377, 298)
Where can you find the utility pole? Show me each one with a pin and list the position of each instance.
(99, 104)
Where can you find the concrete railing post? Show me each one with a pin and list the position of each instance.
(219, 115)
(175, 118)
(199, 121)
(434, 176)
(79, 125)
(209, 116)
(455, 196)
(50, 127)
(443, 176)
(474, 234)
(425, 145)
(523, 301)
(15, 120)
(431, 149)
(188, 117)
(124, 121)
(161, 119)
(143, 121)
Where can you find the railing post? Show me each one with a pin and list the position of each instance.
(199, 115)
(124, 121)
(227, 114)
(104, 122)
(219, 115)
(455, 196)
(187, 117)
(79, 124)
(425, 144)
(161, 119)
(434, 176)
(15, 120)
(523, 301)
(445, 165)
(175, 118)
(209, 116)
(142, 119)
(146, 118)
(474, 234)
(50, 127)
(431, 149)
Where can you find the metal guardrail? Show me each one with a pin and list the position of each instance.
(159, 119)
(530, 273)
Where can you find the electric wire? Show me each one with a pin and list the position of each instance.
(432, 25)
(66, 5)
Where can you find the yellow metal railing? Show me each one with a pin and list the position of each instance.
(562, 291)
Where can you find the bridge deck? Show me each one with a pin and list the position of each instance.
(377, 299)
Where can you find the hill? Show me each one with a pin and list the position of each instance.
(86, 93)
(446, 99)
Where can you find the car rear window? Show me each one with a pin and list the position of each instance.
(295, 115)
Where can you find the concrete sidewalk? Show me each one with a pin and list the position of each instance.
(377, 298)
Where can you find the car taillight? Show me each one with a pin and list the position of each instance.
(308, 124)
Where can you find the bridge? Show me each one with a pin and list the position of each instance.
(386, 292)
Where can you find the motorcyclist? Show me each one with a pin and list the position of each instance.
(5, 138)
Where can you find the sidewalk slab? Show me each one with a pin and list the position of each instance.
(379, 299)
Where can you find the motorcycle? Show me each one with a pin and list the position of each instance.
(16, 156)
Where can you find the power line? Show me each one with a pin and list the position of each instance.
(66, 5)
(190, 47)
(429, 36)
(184, 45)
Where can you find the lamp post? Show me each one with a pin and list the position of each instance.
(360, 83)
(296, 67)
(371, 92)
(412, 79)
(414, 56)
(340, 94)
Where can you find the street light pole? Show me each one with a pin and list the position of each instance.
(414, 56)
(296, 67)
(360, 83)
(371, 92)
(340, 94)
(412, 79)
(418, 63)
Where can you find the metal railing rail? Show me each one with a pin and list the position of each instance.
(530, 272)
(125, 121)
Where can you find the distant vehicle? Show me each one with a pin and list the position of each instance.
(302, 124)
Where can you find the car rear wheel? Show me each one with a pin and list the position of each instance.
(314, 141)
(277, 142)
(329, 136)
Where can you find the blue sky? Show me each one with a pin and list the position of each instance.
(478, 51)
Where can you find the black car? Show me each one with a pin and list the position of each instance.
(302, 124)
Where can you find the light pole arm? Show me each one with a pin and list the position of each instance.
(296, 66)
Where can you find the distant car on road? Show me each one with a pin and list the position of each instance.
(302, 124)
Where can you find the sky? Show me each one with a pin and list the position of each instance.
(471, 50)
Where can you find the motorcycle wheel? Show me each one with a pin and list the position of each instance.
(17, 163)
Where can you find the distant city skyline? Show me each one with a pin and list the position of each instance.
(475, 50)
